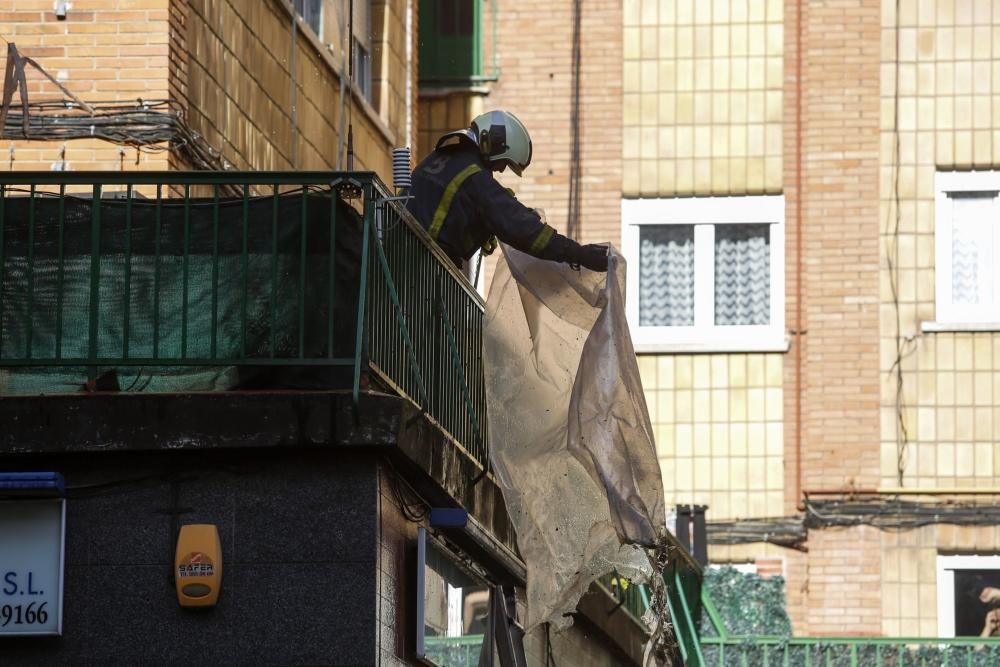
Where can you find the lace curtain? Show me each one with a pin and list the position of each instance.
(666, 275)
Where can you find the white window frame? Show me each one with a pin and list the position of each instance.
(949, 315)
(705, 213)
(946, 566)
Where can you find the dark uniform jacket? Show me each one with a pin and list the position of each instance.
(457, 200)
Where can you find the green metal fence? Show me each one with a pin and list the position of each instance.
(162, 273)
(632, 598)
(850, 651)
(717, 648)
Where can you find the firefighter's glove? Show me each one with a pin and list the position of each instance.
(593, 256)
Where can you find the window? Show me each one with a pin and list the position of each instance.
(967, 246)
(454, 604)
(705, 273)
(311, 12)
(363, 69)
(968, 590)
(333, 29)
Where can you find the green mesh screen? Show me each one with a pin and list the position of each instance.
(747, 603)
(184, 293)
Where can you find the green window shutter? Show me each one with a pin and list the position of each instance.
(450, 41)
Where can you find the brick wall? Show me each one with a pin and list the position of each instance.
(104, 50)
(838, 196)
(270, 99)
(229, 66)
(444, 111)
(534, 56)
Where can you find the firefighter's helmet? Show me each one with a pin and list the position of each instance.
(502, 139)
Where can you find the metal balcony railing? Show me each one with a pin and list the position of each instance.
(155, 277)
(709, 644)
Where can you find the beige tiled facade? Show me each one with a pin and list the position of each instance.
(702, 116)
(949, 119)
(703, 96)
(947, 112)
(719, 430)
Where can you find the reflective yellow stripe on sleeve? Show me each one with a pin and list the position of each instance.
(541, 240)
(449, 194)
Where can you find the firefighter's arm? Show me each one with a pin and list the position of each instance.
(521, 227)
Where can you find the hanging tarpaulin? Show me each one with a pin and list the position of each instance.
(572, 445)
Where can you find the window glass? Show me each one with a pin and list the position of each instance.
(666, 275)
(456, 613)
(742, 274)
(972, 232)
(311, 12)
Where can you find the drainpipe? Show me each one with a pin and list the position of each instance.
(409, 76)
(798, 253)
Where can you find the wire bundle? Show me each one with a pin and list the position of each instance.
(148, 125)
(884, 513)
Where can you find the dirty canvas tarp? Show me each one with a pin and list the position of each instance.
(572, 446)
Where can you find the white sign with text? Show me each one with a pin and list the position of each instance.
(32, 534)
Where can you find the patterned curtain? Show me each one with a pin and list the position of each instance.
(971, 248)
(666, 275)
(742, 274)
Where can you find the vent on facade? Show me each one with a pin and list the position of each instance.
(401, 168)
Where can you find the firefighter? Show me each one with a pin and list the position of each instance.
(462, 206)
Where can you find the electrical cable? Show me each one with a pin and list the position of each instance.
(150, 126)
(786, 532)
(892, 262)
(422, 511)
(575, 167)
(883, 513)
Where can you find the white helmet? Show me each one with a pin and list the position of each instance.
(502, 139)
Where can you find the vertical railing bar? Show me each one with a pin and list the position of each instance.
(688, 619)
(767, 657)
(156, 271)
(331, 295)
(61, 277)
(854, 654)
(787, 650)
(185, 260)
(31, 274)
(95, 278)
(3, 212)
(302, 272)
(246, 270)
(213, 345)
(128, 270)
(362, 294)
(274, 269)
